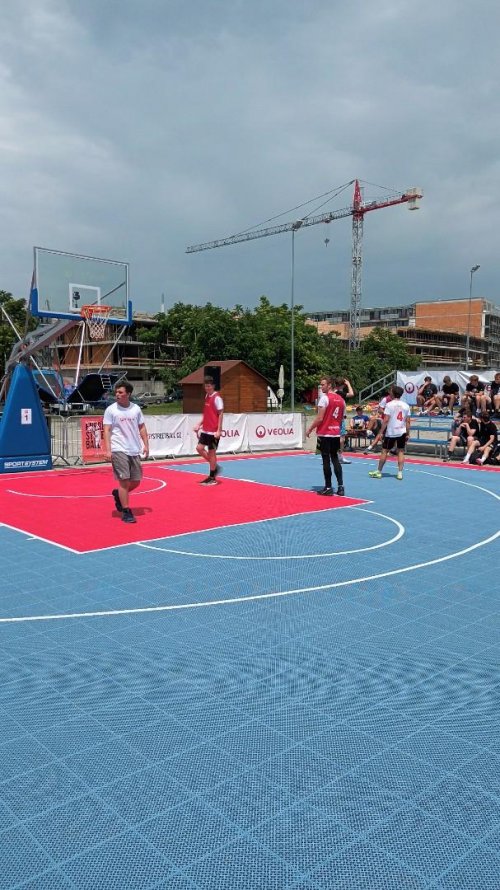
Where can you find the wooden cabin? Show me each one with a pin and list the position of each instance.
(243, 389)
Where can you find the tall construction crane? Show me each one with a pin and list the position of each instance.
(357, 210)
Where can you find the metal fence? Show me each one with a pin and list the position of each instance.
(66, 440)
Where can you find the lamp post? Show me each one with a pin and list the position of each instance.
(467, 342)
(295, 226)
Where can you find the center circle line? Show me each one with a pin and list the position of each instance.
(399, 534)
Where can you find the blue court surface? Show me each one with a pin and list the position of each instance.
(304, 702)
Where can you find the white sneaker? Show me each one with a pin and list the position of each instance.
(343, 460)
(466, 459)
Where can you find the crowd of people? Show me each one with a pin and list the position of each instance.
(473, 426)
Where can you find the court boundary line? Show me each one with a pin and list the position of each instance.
(177, 607)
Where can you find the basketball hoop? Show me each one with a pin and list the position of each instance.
(96, 318)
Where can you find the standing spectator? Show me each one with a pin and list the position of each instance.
(396, 432)
(328, 423)
(495, 394)
(464, 430)
(426, 395)
(125, 437)
(209, 430)
(484, 442)
(375, 423)
(343, 387)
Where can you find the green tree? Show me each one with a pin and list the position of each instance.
(17, 312)
(380, 352)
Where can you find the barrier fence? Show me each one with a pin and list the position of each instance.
(79, 440)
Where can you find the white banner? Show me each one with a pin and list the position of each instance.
(172, 435)
(234, 434)
(169, 434)
(272, 431)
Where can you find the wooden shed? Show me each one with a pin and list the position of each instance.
(243, 389)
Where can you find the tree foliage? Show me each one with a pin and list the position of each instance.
(17, 312)
(262, 338)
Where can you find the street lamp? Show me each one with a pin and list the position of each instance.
(295, 226)
(467, 342)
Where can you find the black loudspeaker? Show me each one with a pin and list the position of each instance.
(214, 372)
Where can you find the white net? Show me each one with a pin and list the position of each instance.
(96, 318)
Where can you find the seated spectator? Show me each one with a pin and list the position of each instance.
(495, 395)
(484, 442)
(474, 396)
(464, 431)
(358, 426)
(447, 396)
(426, 395)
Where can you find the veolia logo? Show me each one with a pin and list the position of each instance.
(409, 387)
(230, 434)
(261, 431)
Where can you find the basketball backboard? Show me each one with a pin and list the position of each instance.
(64, 282)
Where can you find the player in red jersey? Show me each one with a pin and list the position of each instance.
(210, 429)
(328, 423)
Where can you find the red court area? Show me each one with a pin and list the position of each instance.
(75, 509)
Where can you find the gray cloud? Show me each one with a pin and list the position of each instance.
(130, 130)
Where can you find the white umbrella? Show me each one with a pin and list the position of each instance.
(281, 385)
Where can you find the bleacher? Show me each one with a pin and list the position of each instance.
(430, 433)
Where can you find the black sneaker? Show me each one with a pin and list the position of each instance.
(327, 492)
(128, 516)
(340, 491)
(118, 503)
(210, 480)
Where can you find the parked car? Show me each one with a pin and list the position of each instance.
(175, 395)
(147, 398)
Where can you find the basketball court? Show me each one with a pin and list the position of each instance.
(253, 686)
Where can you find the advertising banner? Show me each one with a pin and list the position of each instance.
(274, 431)
(172, 435)
(92, 439)
(169, 434)
(234, 434)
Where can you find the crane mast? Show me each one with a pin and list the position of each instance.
(357, 210)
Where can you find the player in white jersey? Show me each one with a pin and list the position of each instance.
(125, 438)
(395, 431)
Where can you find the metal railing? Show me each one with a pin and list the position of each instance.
(374, 389)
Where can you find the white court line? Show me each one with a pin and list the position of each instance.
(275, 594)
(72, 497)
(397, 536)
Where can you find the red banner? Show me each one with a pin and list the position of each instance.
(92, 439)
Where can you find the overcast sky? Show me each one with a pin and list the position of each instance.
(130, 129)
